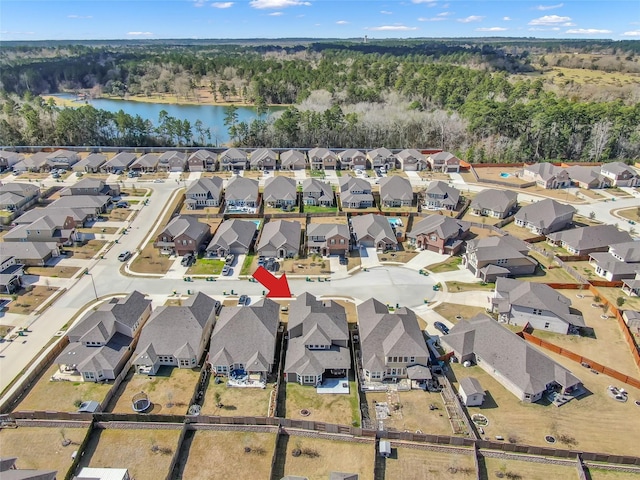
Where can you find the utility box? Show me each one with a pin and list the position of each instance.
(384, 450)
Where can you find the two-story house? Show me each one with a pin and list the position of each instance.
(63, 159)
(318, 341)
(202, 161)
(355, 192)
(263, 159)
(444, 162)
(621, 175)
(293, 160)
(494, 203)
(8, 159)
(544, 216)
(327, 239)
(382, 158)
(396, 191)
(391, 343)
(233, 159)
(280, 192)
(352, 159)
(11, 273)
(176, 336)
(183, 234)
(539, 305)
(44, 229)
(438, 196)
(438, 233)
(241, 192)
(411, 160)
(15, 197)
(317, 193)
(172, 162)
(323, 159)
(546, 175)
(204, 192)
(492, 257)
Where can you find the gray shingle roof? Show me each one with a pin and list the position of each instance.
(617, 168)
(279, 188)
(121, 160)
(28, 250)
(380, 153)
(444, 227)
(280, 233)
(470, 386)
(585, 238)
(395, 188)
(376, 226)
(512, 357)
(608, 262)
(265, 155)
(186, 225)
(495, 248)
(292, 158)
(94, 160)
(588, 175)
(408, 154)
(233, 234)
(544, 214)
(313, 185)
(496, 200)
(206, 185)
(626, 251)
(240, 188)
(326, 230)
(148, 160)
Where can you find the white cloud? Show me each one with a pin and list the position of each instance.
(547, 29)
(471, 18)
(446, 5)
(549, 7)
(587, 31)
(139, 33)
(385, 12)
(342, 22)
(431, 19)
(275, 14)
(222, 4)
(506, 19)
(491, 29)
(632, 33)
(8, 32)
(264, 4)
(553, 20)
(430, 3)
(79, 17)
(444, 14)
(392, 28)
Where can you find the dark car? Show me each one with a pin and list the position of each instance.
(188, 260)
(261, 261)
(441, 327)
(122, 205)
(243, 300)
(343, 260)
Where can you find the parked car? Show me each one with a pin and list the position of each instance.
(188, 260)
(441, 327)
(343, 260)
(124, 256)
(243, 300)
(228, 260)
(227, 270)
(55, 175)
(158, 180)
(122, 205)
(272, 265)
(79, 174)
(261, 261)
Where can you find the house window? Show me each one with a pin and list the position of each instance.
(546, 325)
(412, 359)
(342, 241)
(537, 311)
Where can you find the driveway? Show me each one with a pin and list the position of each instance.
(424, 259)
(176, 271)
(337, 270)
(369, 258)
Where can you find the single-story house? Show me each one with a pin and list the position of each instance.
(546, 175)
(373, 231)
(119, 163)
(396, 191)
(586, 240)
(292, 160)
(233, 236)
(91, 163)
(494, 203)
(545, 216)
(146, 163)
(280, 192)
(280, 238)
(241, 192)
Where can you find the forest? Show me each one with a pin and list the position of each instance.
(490, 100)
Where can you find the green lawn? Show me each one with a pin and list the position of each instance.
(449, 265)
(318, 209)
(246, 266)
(469, 287)
(206, 266)
(330, 408)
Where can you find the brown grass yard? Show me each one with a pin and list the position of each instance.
(415, 464)
(304, 266)
(528, 470)
(402, 256)
(117, 215)
(27, 302)
(350, 309)
(414, 413)
(332, 456)
(55, 271)
(330, 408)
(146, 453)
(40, 448)
(237, 402)
(60, 396)
(600, 474)
(549, 275)
(99, 230)
(630, 214)
(518, 232)
(199, 211)
(451, 310)
(596, 422)
(86, 251)
(337, 220)
(170, 391)
(150, 261)
(219, 455)
(612, 294)
(455, 287)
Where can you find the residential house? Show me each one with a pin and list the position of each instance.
(318, 341)
(91, 473)
(99, 344)
(586, 240)
(292, 160)
(620, 262)
(91, 186)
(172, 162)
(80, 216)
(494, 203)
(176, 336)
(352, 159)
(31, 254)
(11, 273)
(438, 233)
(471, 392)
(391, 343)
(233, 159)
(280, 238)
(588, 177)
(18, 196)
(8, 159)
(493, 257)
(243, 343)
(439, 195)
(183, 234)
(263, 159)
(519, 366)
(444, 162)
(280, 192)
(241, 192)
(323, 159)
(202, 161)
(44, 229)
(621, 175)
(233, 236)
(396, 191)
(632, 319)
(535, 304)
(411, 160)
(204, 192)
(91, 163)
(96, 203)
(382, 157)
(119, 163)
(373, 231)
(63, 159)
(147, 163)
(545, 216)
(546, 175)
(10, 471)
(317, 193)
(355, 193)
(631, 286)
(328, 239)
(34, 163)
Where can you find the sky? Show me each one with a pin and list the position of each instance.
(157, 19)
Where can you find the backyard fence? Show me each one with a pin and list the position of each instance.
(79, 453)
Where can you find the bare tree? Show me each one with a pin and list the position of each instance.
(600, 134)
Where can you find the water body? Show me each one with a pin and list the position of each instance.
(211, 116)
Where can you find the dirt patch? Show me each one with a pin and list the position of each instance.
(208, 448)
(150, 261)
(26, 302)
(452, 310)
(87, 251)
(239, 402)
(337, 220)
(413, 464)
(528, 470)
(55, 271)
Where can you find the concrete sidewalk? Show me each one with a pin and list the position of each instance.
(424, 259)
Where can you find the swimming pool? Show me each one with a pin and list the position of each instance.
(395, 222)
(505, 175)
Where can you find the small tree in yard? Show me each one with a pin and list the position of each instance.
(216, 397)
(592, 215)
(619, 301)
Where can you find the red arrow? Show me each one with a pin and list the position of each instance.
(278, 287)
